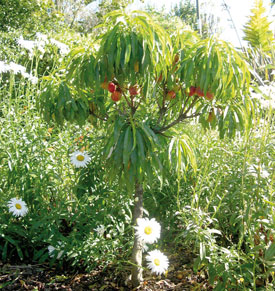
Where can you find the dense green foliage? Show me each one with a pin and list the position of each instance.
(261, 50)
(224, 210)
(28, 15)
(208, 181)
(65, 205)
(135, 51)
(257, 30)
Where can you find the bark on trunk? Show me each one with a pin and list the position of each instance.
(137, 248)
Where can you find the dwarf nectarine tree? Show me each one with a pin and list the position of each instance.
(139, 84)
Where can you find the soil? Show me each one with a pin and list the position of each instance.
(42, 277)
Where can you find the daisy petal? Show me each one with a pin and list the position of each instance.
(80, 159)
(148, 230)
(17, 207)
(157, 262)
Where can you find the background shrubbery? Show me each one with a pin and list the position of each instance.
(223, 214)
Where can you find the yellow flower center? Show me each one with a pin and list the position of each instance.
(156, 262)
(18, 206)
(80, 158)
(148, 230)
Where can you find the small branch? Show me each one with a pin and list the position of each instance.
(165, 92)
(182, 116)
(161, 115)
(165, 135)
(125, 97)
(178, 120)
(99, 117)
(193, 115)
(186, 101)
(190, 106)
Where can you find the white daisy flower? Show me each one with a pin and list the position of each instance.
(52, 250)
(157, 262)
(17, 207)
(80, 159)
(148, 230)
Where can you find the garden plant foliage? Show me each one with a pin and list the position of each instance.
(206, 163)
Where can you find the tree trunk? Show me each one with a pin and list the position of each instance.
(137, 248)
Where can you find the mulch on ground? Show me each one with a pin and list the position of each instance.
(42, 277)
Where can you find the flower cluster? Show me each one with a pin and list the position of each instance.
(148, 231)
(39, 44)
(17, 69)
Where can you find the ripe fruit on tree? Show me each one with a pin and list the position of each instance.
(116, 96)
(209, 96)
(199, 92)
(133, 90)
(111, 87)
(171, 95)
(192, 91)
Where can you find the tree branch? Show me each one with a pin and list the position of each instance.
(97, 116)
(125, 97)
(191, 105)
(181, 117)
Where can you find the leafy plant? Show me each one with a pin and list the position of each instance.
(257, 30)
(259, 35)
(149, 76)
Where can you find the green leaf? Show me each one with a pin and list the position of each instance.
(128, 50)
(127, 146)
(118, 54)
(202, 251)
(4, 251)
(118, 152)
(270, 253)
(140, 144)
(134, 133)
